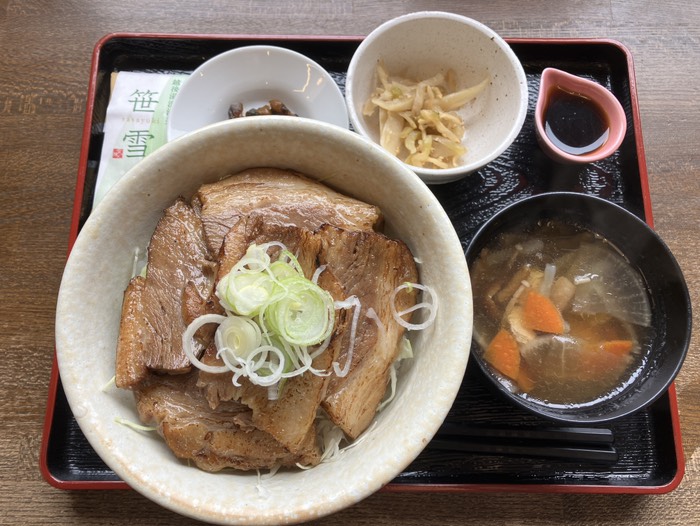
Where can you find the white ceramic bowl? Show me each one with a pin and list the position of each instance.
(418, 46)
(252, 75)
(99, 267)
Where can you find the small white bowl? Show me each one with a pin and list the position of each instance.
(418, 46)
(98, 270)
(253, 75)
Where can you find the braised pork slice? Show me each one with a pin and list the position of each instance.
(256, 229)
(212, 439)
(369, 266)
(177, 287)
(290, 418)
(131, 366)
(283, 197)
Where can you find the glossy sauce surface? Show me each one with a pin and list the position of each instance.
(575, 123)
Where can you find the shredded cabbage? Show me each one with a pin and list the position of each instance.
(112, 381)
(405, 353)
(134, 425)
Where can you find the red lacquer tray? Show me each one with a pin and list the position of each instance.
(648, 444)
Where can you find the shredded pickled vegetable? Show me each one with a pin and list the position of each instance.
(418, 120)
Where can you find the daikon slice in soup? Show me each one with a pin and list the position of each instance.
(559, 314)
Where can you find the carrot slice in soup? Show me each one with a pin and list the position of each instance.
(618, 347)
(540, 314)
(594, 364)
(503, 354)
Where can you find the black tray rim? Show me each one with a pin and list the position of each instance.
(54, 381)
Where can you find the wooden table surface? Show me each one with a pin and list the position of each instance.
(45, 52)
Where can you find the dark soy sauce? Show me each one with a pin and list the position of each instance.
(575, 124)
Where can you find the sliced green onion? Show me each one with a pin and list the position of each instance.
(255, 259)
(246, 293)
(349, 303)
(430, 304)
(274, 316)
(372, 315)
(290, 260)
(318, 273)
(265, 365)
(188, 343)
(238, 335)
(281, 270)
(304, 314)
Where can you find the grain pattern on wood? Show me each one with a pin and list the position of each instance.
(44, 66)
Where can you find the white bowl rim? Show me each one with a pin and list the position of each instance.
(434, 175)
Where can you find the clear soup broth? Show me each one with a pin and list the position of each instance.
(559, 314)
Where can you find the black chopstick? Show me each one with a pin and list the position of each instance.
(563, 443)
(607, 454)
(579, 435)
